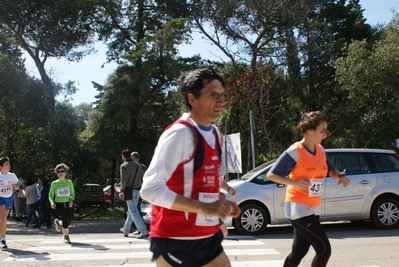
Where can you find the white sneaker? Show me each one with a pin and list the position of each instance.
(57, 225)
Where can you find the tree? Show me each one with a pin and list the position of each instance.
(142, 37)
(322, 39)
(250, 29)
(47, 29)
(263, 90)
(369, 76)
(252, 32)
(24, 114)
(122, 24)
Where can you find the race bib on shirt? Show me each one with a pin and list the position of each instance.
(5, 190)
(63, 192)
(204, 220)
(316, 187)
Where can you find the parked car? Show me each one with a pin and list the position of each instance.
(107, 191)
(107, 195)
(146, 213)
(373, 193)
(88, 194)
(116, 181)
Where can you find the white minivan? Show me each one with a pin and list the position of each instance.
(373, 193)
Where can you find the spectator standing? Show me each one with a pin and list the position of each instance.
(32, 200)
(131, 181)
(44, 203)
(17, 212)
(39, 184)
(61, 197)
(8, 183)
(136, 158)
(39, 187)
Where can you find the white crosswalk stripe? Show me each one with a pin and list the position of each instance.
(97, 251)
(89, 251)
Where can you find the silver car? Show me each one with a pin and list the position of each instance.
(373, 193)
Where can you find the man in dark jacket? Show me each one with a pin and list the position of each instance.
(131, 181)
(136, 158)
(44, 203)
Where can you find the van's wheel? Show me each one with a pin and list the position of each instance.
(385, 213)
(252, 220)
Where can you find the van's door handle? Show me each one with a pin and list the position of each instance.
(364, 182)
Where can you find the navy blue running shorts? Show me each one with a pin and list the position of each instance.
(6, 201)
(187, 253)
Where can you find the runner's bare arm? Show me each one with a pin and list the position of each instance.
(221, 208)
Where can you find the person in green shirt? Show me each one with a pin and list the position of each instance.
(61, 197)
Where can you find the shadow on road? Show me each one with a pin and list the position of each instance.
(355, 229)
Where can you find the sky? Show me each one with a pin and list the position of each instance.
(89, 68)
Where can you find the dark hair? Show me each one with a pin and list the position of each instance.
(135, 155)
(45, 182)
(126, 153)
(194, 81)
(310, 121)
(61, 166)
(29, 181)
(4, 159)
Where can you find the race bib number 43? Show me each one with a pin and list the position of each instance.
(63, 192)
(316, 187)
(203, 220)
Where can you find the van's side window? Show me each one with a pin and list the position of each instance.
(349, 163)
(385, 163)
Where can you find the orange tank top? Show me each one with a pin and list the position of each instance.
(309, 167)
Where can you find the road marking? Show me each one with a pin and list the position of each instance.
(91, 241)
(105, 255)
(146, 245)
(266, 263)
(240, 249)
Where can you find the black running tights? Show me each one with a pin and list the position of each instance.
(308, 232)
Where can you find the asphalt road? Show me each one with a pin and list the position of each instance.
(99, 243)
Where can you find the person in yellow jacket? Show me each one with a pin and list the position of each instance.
(303, 168)
(61, 197)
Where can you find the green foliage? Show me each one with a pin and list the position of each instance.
(123, 24)
(54, 28)
(370, 78)
(322, 39)
(264, 93)
(23, 114)
(134, 106)
(47, 29)
(282, 62)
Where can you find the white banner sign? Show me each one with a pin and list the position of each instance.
(233, 152)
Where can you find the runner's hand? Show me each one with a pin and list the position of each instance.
(232, 191)
(345, 181)
(302, 184)
(222, 208)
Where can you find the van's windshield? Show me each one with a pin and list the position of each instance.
(256, 171)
